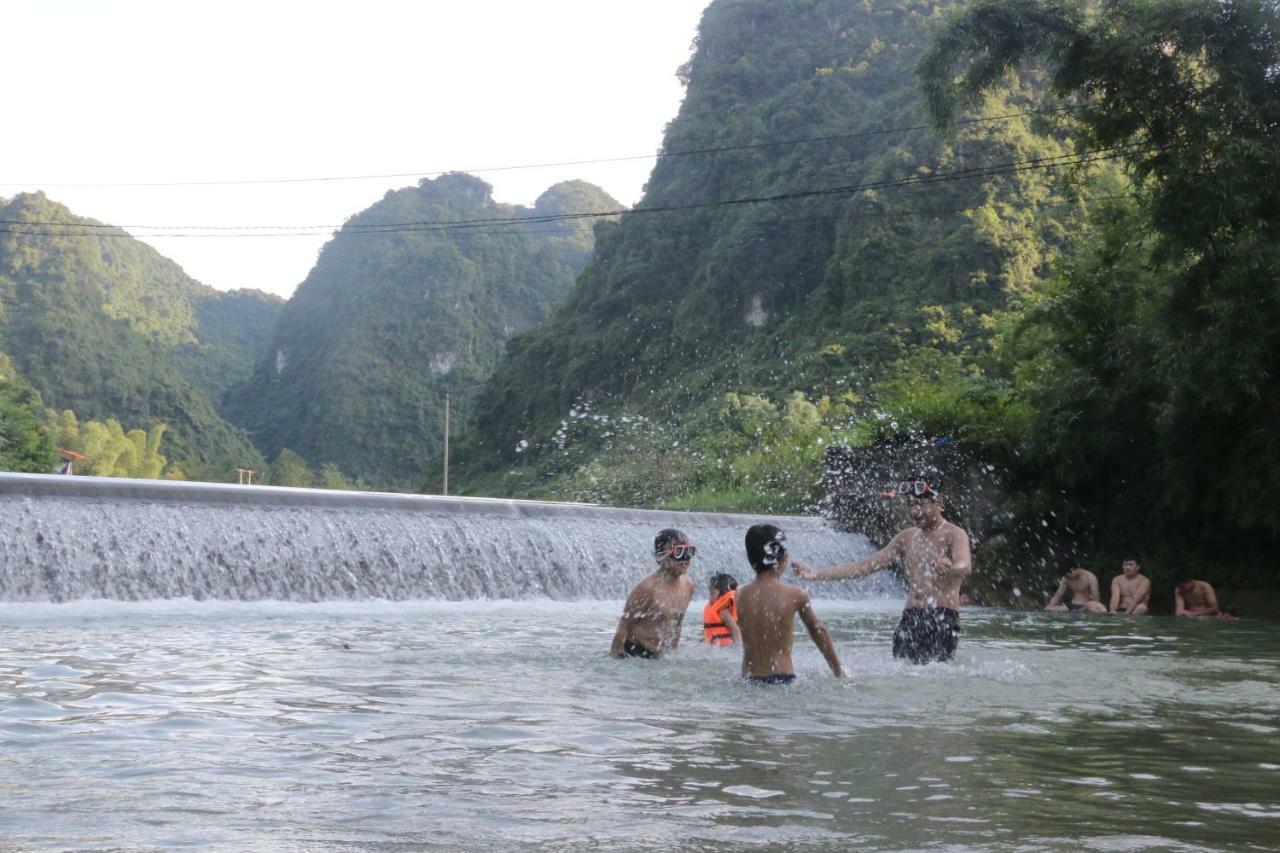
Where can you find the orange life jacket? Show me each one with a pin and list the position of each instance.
(713, 630)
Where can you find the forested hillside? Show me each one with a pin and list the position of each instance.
(102, 324)
(809, 233)
(398, 312)
(1066, 262)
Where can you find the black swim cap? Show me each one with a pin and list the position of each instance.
(766, 543)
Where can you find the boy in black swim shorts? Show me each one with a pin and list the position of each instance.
(936, 559)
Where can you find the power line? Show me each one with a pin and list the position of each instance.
(900, 213)
(972, 173)
(838, 137)
(1012, 167)
(897, 213)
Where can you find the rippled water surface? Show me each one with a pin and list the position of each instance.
(504, 725)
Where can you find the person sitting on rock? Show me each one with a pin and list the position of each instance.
(1193, 598)
(1080, 587)
(1131, 590)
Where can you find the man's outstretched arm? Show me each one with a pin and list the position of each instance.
(857, 569)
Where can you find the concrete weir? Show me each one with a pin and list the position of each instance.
(71, 538)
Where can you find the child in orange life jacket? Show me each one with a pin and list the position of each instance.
(720, 616)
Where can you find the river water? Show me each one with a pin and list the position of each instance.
(486, 725)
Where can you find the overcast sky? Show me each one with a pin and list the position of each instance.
(141, 92)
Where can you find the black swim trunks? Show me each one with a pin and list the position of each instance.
(632, 649)
(776, 678)
(1073, 607)
(927, 634)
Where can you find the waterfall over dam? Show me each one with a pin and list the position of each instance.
(71, 538)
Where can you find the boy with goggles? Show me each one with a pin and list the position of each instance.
(654, 612)
(936, 559)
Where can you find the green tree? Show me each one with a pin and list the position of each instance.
(331, 477)
(110, 451)
(290, 469)
(25, 445)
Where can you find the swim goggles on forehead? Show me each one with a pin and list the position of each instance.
(683, 552)
(916, 488)
(774, 548)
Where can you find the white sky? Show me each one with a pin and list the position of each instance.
(107, 92)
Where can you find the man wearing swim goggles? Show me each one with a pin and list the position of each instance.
(935, 557)
(912, 488)
(654, 612)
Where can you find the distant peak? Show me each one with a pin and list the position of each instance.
(459, 184)
(576, 196)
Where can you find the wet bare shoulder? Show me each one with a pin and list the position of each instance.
(641, 598)
(799, 598)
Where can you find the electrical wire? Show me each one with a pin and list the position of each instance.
(972, 173)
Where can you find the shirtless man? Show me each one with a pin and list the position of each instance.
(767, 608)
(1194, 598)
(654, 612)
(1130, 591)
(1083, 586)
(935, 555)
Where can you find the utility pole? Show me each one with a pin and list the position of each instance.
(446, 443)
